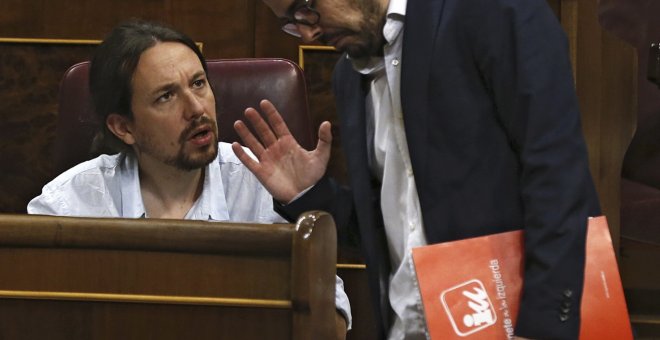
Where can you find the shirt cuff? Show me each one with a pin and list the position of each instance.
(341, 302)
(299, 195)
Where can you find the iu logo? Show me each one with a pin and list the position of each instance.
(468, 307)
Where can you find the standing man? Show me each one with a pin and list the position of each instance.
(458, 119)
(149, 85)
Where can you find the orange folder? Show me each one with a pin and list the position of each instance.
(471, 288)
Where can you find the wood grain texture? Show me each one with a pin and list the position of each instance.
(29, 74)
(318, 64)
(74, 278)
(606, 83)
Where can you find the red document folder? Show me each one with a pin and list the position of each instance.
(471, 288)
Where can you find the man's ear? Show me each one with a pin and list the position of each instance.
(121, 127)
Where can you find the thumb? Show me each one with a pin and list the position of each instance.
(325, 138)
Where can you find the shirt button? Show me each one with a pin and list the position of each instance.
(395, 62)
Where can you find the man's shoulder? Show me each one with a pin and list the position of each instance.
(96, 167)
(87, 189)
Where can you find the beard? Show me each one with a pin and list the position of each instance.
(369, 40)
(187, 160)
(191, 161)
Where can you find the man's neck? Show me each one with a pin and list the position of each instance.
(168, 192)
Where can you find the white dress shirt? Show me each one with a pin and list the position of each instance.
(109, 186)
(390, 163)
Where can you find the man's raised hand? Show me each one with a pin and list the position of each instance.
(282, 166)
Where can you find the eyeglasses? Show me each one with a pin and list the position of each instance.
(301, 14)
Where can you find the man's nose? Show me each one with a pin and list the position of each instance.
(309, 33)
(193, 106)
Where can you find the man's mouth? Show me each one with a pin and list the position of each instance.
(202, 135)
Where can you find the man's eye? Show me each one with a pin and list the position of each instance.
(164, 97)
(199, 83)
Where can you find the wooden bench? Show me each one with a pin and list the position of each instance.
(94, 278)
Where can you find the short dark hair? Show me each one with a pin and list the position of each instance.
(112, 69)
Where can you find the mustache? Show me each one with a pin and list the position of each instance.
(202, 120)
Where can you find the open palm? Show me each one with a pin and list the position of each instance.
(282, 166)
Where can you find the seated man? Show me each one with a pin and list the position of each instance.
(149, 85)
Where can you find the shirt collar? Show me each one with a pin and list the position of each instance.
(211, 204)
(397, 8)
(396, 11)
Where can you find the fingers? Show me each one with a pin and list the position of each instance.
(261, 128)
(325, 132)
(274, 118)
(248, 161)
(324, 145)
(248, 139)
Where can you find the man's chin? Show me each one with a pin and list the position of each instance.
(198, 160)
(346, 43)
(359, 51)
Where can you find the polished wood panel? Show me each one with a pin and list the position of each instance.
(318, 63)
(80, 278)
(226, 27)
(635, 22)
(30, 319)
(29, 74)
(269, 39)
(357, 289)
(606, 82)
